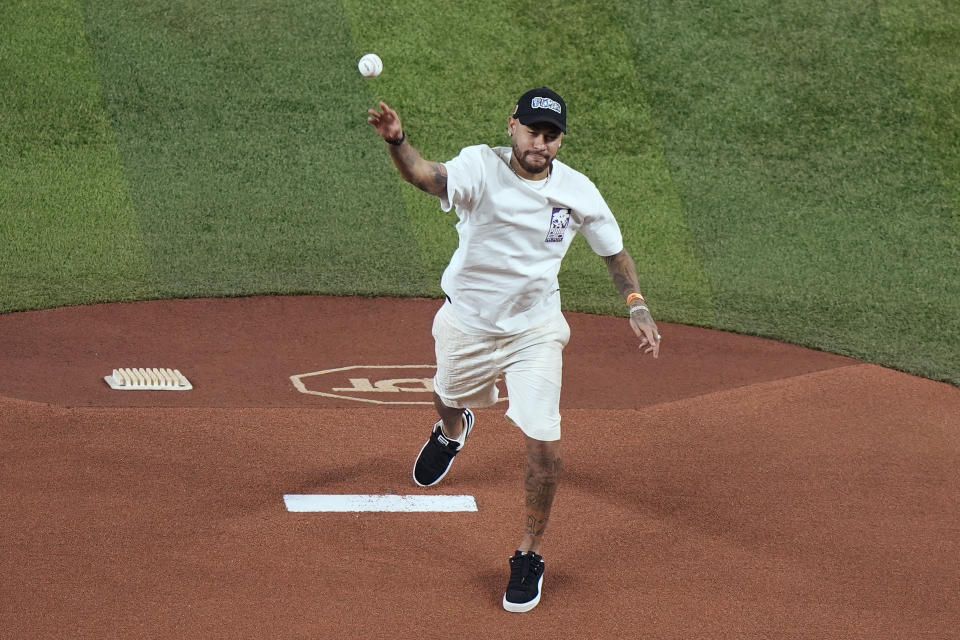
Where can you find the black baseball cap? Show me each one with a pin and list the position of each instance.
(542, 105)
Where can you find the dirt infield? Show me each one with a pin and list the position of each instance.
(736, 488)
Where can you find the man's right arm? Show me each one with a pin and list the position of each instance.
(423, 174)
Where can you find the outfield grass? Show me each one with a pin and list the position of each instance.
(69, 230)
(812, 189)
(778, 169)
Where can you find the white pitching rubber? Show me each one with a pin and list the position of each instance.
(153, 379)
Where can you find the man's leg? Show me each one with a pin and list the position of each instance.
(534, 377)
(540, 485)
(452, 418)
(466, 376)
(446, 439)
(540, 482)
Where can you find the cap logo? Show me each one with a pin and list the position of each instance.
(545, 103)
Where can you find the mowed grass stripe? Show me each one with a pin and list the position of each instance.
(238, 123)
(455, 91)
(926, 38)
(797, 153)
(67, 225)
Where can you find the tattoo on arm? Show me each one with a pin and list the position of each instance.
(624, 272)
(438, 186)
(427, 176)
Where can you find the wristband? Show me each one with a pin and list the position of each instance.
(634, 296)
(638, 307)
(397, 141)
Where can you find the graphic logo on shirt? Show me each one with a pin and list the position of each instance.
(559, 221)
(545, 103)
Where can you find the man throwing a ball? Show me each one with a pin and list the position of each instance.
(518, 209)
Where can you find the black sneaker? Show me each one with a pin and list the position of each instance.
(437, 454)
(526, 580)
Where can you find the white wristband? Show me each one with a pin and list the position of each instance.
(637, 307)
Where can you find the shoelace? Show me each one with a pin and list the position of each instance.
(520, 570)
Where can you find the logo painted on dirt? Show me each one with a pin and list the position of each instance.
(374, 384)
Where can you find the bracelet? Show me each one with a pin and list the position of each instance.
(638, 307)
(634, 296)
(397, 141)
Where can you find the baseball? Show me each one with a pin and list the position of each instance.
(370, 65)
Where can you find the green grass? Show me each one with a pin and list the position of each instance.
(456, 91)
(67, 225)
(779, 169)
(238, 125)
(812, 194)
(924, 36)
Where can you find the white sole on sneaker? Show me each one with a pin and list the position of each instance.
(414, 473)
(523, 607)
(468, 425)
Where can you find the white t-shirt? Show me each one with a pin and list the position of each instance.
(502, 279)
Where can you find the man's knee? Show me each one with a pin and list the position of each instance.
(544, 456)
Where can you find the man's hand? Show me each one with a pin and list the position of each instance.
(386, 122)
(624, 274)
(428, 176)
(646, 329)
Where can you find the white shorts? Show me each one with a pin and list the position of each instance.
(531, 362)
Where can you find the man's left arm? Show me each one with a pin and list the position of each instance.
(624, 273)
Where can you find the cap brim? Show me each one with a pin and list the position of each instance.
(542, 118)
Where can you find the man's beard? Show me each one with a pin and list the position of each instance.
(521, 160)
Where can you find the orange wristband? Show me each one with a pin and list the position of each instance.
(634, 296)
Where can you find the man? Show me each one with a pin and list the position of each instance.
(518, 209)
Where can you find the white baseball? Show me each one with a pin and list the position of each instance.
(370, 65)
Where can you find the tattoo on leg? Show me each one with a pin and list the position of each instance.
(536, 527)
(540, 485)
